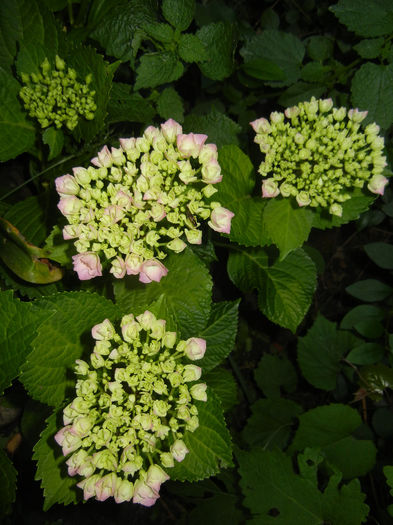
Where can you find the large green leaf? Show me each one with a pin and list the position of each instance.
(220, 333)
(19, 322)
(186, 292)
(365, 18)
(124, 106)
(220, 39)
(321, 350)
(179, 13)
(223, 383)
(10, 30)
(285, 288)
(210, 447)
(7, 483)
(274, 372)
(170, 105)
(220, 128)
(330, 428)
(28, 216)
(16, 133)
(276, 495)
(286, 224)
(61, 340)
(58, 486)
(191, 49)
(156, 69)
(234, 193)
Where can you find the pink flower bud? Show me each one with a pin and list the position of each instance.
(133, 264)
(69, 205)
(106, 486)
(208, 152)
(75, 461)
(87, 265)
(221, 220)
(89, 486)
(118, 268)
(261, 125)
(179, 450)
(170, 129)
(198, 392)
(211, 172)
(152, 270)
(195, 348)
(377, 184)
(143, 494)
(190, 145)
(66, 185)
(103, 331)
(115, 213)
(124, 491)
(150, 133)
(270, 188)
(192, 373)
(71, 231)
(81, 175)
(155, 476)
(104, 158)
(357, 116)
(292, 112)
(146, 320)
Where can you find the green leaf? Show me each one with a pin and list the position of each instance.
(220, 128)
(388, 471)
(234, 194)
(286, 224)
(321, 350)
(369, 48)
(263, 69)
(28, 216)
(369, 290)
(58, 486)
(315, 72)
(186, 290)
(381, 253)
(30, 58)
(371, 91)
(210, 447)
(376, 379)
(220, 333)
(19, 322)
(7, 483)
(32, 291)
(283, 49)
(224, 385)
(179, 13)
(365, 18)
(285, 288)
(156, 69)
(330, 428)
(365, 319)
(10, 31)
(366, 354)
(220, 39)
(62, 339)
(119, 30)
(299, 92)
(161, 32)
(320, 47)
(124, 106)
(16, 133)
(273, 373)
(270, 424)
(191, 49)
(54, 138)
(170, 105)
(276, 495)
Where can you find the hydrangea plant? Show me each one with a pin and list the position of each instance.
(141, 201)
(55, 96)
(319, 154)
(133, 405)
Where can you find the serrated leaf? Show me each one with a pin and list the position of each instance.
(224, 385)
(220, 333)
(283, 49)
(220, 128)
(170, 105)
(28, 216)
(58, 486)
(179, 13)
(16, 133)
(369, 48)
(61, 340)
(365, 18)
(10, 31)
(273, 373)
(299, 92)
(210, 447)
(287, 225)
(124, 106)
(30, 58)
(156, 69)
(161, 32)
(270, 423)
(315, 72)
(276, 495)
(330, 428)
(191, 48)
(54, 138)
(381, 253)
(19, 322)
(371, 91)
(369, 290)
(220, 39)
(234, 194)
(7, 483)
(186, 290)
(320, 47)
(285, 288)
(320, 352)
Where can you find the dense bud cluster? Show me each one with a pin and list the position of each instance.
(319, 154)
(141, 201)
(133, 405)
(56, 97)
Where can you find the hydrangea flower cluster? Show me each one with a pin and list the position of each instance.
(133, 405)
(56, 97)
(141, 201)
(319, 154)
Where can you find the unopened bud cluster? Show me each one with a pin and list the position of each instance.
(55, 96)
(134, 403)
(319, 154)
(141, 201)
